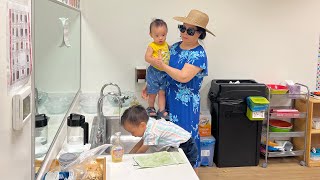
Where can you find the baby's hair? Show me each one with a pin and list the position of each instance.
(134, 115)
(158, 23)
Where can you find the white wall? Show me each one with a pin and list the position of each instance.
(266, 40)
(15, 156)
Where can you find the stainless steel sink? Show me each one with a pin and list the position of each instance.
(112, 125)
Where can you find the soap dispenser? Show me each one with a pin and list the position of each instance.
(117, 150)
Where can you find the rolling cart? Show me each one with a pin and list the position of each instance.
(299, 121)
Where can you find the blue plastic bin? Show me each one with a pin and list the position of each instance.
(207, 150)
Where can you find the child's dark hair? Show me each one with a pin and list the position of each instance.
(158, 23)
(134, 115)
(202, 32)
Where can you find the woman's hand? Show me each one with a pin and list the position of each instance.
(159, 61)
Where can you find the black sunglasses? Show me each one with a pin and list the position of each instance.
(190, 31)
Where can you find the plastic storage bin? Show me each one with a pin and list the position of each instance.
(315, 155)
(207, 150)
(255, 115)
(257, 103)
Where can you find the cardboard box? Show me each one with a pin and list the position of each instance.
(205, 124)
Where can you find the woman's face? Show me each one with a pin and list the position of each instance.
(188, 38)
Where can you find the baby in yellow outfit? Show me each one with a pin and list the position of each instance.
(156, 78)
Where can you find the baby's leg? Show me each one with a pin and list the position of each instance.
(151, 99)
(162, 101)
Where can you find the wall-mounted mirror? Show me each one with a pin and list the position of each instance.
(56, 68)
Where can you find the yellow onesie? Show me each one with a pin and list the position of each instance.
(164, 51)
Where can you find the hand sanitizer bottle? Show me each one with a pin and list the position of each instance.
(117, 150)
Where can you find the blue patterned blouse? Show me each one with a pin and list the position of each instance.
(183, 99)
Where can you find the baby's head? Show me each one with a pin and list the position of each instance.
(158, 31)
(134, 120)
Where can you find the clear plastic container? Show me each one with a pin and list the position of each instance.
(207, 150)
(316, 123)
(41, 129)
(66, 159)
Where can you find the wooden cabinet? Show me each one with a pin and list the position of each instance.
(313, 135)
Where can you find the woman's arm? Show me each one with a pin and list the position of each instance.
(184, 75)
(136, 147)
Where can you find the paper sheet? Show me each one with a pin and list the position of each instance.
(159, 159)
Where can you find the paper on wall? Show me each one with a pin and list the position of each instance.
(19, 53)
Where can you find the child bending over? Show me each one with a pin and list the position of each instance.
(159, 134)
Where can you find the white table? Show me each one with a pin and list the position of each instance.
(125, 170)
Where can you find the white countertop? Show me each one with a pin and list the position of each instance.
(125, 170)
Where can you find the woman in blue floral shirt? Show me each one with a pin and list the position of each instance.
(186, 69)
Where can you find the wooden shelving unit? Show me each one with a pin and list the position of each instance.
(313, 135)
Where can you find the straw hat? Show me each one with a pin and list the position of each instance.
(196, 18)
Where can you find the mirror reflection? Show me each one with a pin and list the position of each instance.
(56, 67)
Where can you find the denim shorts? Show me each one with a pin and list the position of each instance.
(156, 80)
(191, 150)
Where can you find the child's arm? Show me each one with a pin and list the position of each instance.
(148, 56)
(139, 148)
(143, 149)
(136, 147)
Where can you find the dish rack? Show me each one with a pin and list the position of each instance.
(286, 111)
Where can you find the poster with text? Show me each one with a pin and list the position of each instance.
(19, 45)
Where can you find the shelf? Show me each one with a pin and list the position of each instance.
(66, 5)
(297, 115)
(284, 134)
(284, 154)
(315, 131)
(314, 163)
(314, 100)
(290, 96)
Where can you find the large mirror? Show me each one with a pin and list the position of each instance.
(56, 67)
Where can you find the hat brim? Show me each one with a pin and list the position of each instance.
(185, 20)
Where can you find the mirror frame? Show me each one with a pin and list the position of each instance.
(61, 133)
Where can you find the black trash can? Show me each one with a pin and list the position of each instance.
(237, 138)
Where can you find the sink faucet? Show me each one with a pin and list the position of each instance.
(110, 84)
(100, 136)
(102, 89)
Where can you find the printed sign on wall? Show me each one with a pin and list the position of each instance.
(19, 43)
(318, 70)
